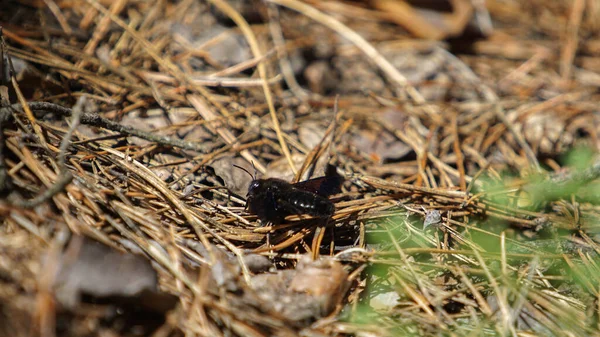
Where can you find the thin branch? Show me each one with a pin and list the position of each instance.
(94, 119)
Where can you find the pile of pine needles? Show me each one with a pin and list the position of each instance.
(469, 203)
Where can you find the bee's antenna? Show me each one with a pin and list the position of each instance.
(250, 174)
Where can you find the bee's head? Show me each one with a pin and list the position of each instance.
(254, 186)
(255, 183)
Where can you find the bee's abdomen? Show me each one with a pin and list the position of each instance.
(312, 204)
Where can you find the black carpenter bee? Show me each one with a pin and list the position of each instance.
(273, 199)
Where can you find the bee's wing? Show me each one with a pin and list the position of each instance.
(324, 186)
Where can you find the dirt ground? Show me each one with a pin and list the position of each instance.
(299, 168)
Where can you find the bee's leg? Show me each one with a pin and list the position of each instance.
(264, 223)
